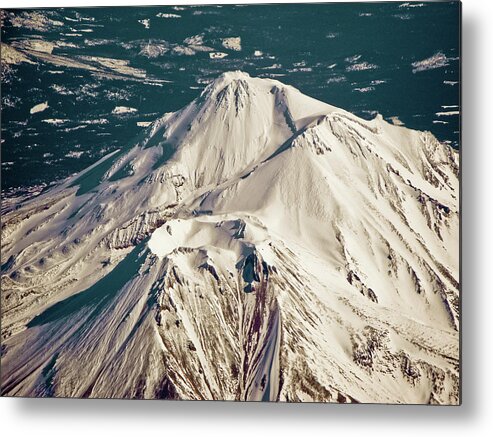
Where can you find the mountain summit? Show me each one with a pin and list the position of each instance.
(255, 245)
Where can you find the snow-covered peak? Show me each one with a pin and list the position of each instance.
(230, 76)
(269, 245)
(229, 79)
(237, 122)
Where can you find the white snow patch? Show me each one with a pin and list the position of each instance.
(352, 59)
(411, 5)
(336, 79)
(144, 123)
(96, 121)
(40, 107)
(123, 110)
(232, 43)
(217, 55)
(361, 66)
(366, 89)
(163, 15)
(438, 60)
(195, 40)
(74, 154)
(146, 23)
(447, 113)
(55, 121)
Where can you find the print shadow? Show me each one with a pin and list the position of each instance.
(228, 413)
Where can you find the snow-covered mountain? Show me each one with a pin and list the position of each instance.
(256, 245)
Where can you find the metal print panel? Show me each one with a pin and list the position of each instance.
(241, 202)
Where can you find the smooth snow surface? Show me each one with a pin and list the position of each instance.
(257, 244)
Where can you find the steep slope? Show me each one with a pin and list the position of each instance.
(255, 245)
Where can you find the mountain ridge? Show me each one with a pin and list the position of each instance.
(255, 245)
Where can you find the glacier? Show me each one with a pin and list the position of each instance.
(256, 245)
